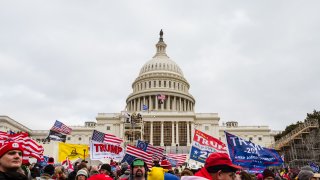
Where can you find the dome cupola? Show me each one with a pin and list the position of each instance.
(160, 77)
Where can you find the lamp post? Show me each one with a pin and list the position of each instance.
(84, 154)
(177, 148)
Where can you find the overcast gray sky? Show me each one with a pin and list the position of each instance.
(255, 62)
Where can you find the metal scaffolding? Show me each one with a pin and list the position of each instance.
(301, 146)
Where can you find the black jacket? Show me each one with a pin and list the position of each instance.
(12, 176)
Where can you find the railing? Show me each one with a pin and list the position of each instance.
(294, 133)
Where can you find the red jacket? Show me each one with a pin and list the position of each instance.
(203, 173)
(100, 177)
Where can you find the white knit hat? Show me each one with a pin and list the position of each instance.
(82, 172)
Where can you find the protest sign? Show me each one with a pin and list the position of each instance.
(203, 145)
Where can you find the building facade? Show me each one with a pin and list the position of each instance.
(159, 110)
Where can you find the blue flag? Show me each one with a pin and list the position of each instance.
(128, 158)
(172, 162)
(145, 107)
(142, 145)
(249, 155)
(314, 167)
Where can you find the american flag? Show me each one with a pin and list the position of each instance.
(154, 151)
(139, 153)
(161, 97)
(105, 138)
(30, 147)
(180, 158)
(61, 128)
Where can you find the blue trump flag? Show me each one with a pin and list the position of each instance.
(249, 155)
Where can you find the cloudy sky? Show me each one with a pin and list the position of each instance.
(255, 62)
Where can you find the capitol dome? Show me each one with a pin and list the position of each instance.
(160, 85)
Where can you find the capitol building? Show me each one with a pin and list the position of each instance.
(160, 110)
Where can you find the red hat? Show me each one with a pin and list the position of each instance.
(8, 146)
(220, 159)
(165, 164)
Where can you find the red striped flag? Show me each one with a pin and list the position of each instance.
(105, 138)
(180, 158)
(30, 147)
(138, 153)
(155, 151)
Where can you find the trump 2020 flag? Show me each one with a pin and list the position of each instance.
(203, 145)
(249, 155)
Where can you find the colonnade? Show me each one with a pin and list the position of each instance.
(175, 135)
(171, 103)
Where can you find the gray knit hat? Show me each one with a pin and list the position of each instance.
(305, 175)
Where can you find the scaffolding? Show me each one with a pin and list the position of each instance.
(133, 129)
(301, 146)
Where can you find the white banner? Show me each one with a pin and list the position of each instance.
(100, 151)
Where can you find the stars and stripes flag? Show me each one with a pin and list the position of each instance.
(61, 128)
(105, 138)
(30, 147)
(179, 158)
(139, 153)
(161, 97)
(156, 152)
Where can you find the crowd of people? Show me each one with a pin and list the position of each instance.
(218, 166)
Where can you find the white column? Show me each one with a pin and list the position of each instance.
(168, 103)
(156, 102)
(139, 105)
(177, 132)
(192, 130)
(150, 103)
(172, 135)
(180, 104)
(184, 105)
(161, 142)
(174, 106)
(188, 134)
(121, 130)
(151, 132)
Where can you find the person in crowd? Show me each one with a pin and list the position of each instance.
(268, 175)
(245, 176)
(138, 170)
(305, 175)
(35, 171)
(105, 171)
(72, 175)
(49, 169)
(125, 175)
(259, 176)
(186, 172)
(82, 174)
(218, 166)
(94, 170)
(10, 161)
(177, 172)
(156, 162)
(59, 173)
